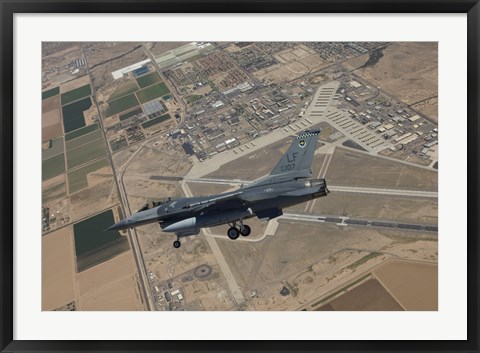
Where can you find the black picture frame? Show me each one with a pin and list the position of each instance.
(8, 8)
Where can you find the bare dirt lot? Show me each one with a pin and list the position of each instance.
(93, 200)
(107, 272)
(413, 284)
(51, 118)
(120, 295)
(351, 168)
(157, 48)
(104, 58)
(71, 85)
(407, 70)
(151, 161)
(58, 269)
(368, 296)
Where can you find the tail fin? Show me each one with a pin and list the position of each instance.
(300, 154)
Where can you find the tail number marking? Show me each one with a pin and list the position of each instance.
(287, 167)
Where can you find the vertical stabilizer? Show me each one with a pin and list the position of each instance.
(300, 154)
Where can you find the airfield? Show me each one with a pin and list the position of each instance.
(139, 122)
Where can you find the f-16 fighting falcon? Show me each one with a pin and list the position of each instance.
(288, 184)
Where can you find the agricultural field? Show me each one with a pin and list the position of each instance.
(124, 89)
(119, 105)
(79, 132)
(87, 152)
(54, 188)
(368, 296)
(77, 179)
(148, 80)
(51, 118)
(93, 245)
(76, 94)
(58, 269)
(152, 92)
(130, 114)
(50, 93)
(414, 284)
(155, 121)
(83, 139)
(53, 166)
(73, 114)
(55, 148)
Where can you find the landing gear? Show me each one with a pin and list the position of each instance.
(176, 244)
(233, 233)
(245, 230)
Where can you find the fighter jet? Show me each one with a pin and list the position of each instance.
(288, 184)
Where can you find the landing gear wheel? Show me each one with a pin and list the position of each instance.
(176, 244)
(233, 233)
(245, 230)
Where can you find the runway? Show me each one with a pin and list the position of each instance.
(347, 221)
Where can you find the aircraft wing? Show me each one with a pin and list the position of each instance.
(213, 201)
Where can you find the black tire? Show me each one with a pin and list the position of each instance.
(176, 244)
(245, 230)
(233, 233)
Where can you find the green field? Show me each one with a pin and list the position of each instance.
(77, 179)
(50, 93)
(73, 114)
(124, 89)
(57, 148)
(53, 166)
(85, 153)
(79, 132)
(155, 121)
(152, 92)
(93, 245)
(119, 105)
(148, 80)
(193, 98)
(130, 114)
(93, 136)
(76, 94)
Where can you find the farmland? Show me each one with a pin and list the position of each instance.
(54, 149)
(156, 121)
(148, 80)
(90, 137)
(93, 245)
(76, 94)
(119, 105)
(124, 89)
(53, 166)
(73, 114)
(50, 93)
(77, 179)
(85, 153)
(152, 92)
(79, 132)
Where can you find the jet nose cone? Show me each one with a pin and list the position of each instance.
(118, 226)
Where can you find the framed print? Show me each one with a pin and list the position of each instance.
(264, 176)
